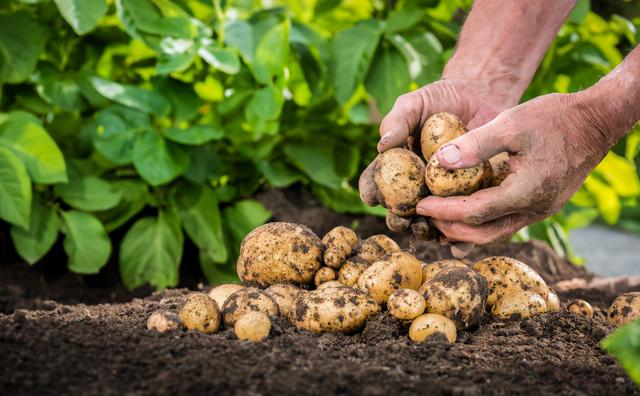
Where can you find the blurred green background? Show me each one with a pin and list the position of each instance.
(160, 119)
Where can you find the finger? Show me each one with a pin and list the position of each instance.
(461, 250)
(403, 118)
(367, 187)
(482, 234)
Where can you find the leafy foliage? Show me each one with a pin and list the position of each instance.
(624, 344)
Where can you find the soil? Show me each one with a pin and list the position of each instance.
(60, 334)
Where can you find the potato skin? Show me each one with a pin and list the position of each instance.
(369, 251)
(392, 272)
(284, 294)
(324, 274)
(388, 244)
(220, 293)
(443, 182)
(425, 326)
(406, 304)
(332, 309)
(553, 301)
(248, 300)
(338, 245)
(624, 309)
(500, 168)
(398, 174)
(580, 307)
(330, 284)
(438, 130)
(430, 270)
(518, 305)
(200, 313)
(351, 271)
(252, 326)
(460, 294)
(163, 321)
(397, 223)
(278, 253)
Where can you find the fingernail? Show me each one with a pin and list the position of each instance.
(385, 138)
(451, 154)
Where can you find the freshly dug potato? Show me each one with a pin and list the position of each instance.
(430, 270)
(369, 251)
(520, 304)
(279, 253)
(163, 321)
(460, 294)
(200, 313)
(338, 245)
(388, 244)
(580, 307)
(398, 174)
(406, 304)
(248, 300)
(425, 326)
(392, 272)
(252, 326)
(330, 284)
(624, 309)
(505, 275)
(397, 223)
(284, 294)
(324, 274)
(334, 309)
(500, 167)
(443, 182)
(439, 129)
(220, 293)
(553, 302)
(351, 271)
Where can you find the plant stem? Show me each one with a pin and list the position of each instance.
(221, 20)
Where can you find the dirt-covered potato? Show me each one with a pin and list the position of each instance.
(520, 304)
(392, 272)
(387, 243)
(248, 300)
(505, 275)
(163, 321)
(399, 176)
(553, 301)
(284, 294)
(460, 294)
(330, 284)
(279, 253)
(406, 304)
(338, 245)
(369, 250)
(580, 307)
(200, 313)
(425, 326)
(220, 293)
(500, 168)
(430, 270)
(252, 326)
(333, 309)
(443, 182)
(624, 309)
(324, 274)
(397, 223)
(439, 129)
(351, 271)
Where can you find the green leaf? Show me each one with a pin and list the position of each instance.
(134, 194)
(195, 134)
(624, 344)
(130, 96)
(86, 242)
(183, 99)
(346, 200)
(21, 42)
(151, 252)
(82, 15)
(242, 218)
(400, 20)
(217, 274)
(316, 161)
(606, 198)
(89, 193)
(177, 55)
(239, 34)
(15, 190)
(352, 51)
(61, 90)
(222, 59)
(278, 173)
(271, 53)
(264, 107)
(580, 11)
(620, 174)
(157, 160)
(116, 130)
(23, 134)
(34, 242)
(147, 18)
(388, 78)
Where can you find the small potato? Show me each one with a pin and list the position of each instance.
(460, 294)
(425, 326)
(220, 293)
(252, 326)
(505, 275)
(430, 270)
(200, 313)
(335, 309)
(438, 130)
(580, 307)
(397, 223)
(406, 304)
(518, 305)
(330, 284)
(388, 244)
(500, 167)
(399, 175)
(351, 271)
(324, 274)
(392, 272)
(624, 309)
(248, 300)
(553, 302)
(163, 321)
(284, 294)
(279, 253)
(443, 182)
(338, 243)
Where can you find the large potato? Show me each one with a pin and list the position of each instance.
(506, 275)
(284, 294)
(518, 305)
(460, 294)
(624, 309)
(394, 271)
(220, 293)
(430, 270)
(338, 245)
(351, 271)
(248, 300)
(443, 182)
(200, 313)
(279, 253)
(427, 325)
(399, 176)
(439, 129)
(334, 309)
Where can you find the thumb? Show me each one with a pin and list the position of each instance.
(403, 118)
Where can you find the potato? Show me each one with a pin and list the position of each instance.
(388, 244)
(335, 309)
(392, 272)
(430, 270)
(399, 175)
(324, 274)
(443, 182)
(252, 326)
(163, 321)
(505, 275)
(406, 304)
(369, 251)
(438, 130)
(338, 245)
(520, 304)
(284, 294)
(624, 309)
(279, 253)
(248, 300)
(500, 169)
(200, 313)
(553, 302)
(425, 326)
(220, 293)
(351, 271)
(460, 294)
(330, 284)
(580, 307)
(396, 223)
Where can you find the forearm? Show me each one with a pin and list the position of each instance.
(502, 44)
